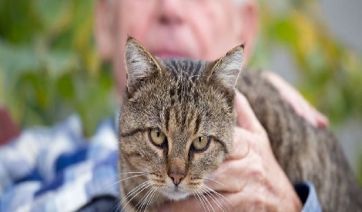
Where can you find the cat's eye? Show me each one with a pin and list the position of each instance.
(157, 137)
(201, 143)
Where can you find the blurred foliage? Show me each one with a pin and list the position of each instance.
(49, 66)
(330, 72)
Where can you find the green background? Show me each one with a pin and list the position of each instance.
(49, 67)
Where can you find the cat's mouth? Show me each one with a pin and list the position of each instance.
(175, 192)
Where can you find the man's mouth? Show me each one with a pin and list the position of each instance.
(164, 54)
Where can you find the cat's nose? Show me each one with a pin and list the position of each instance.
(176, 175)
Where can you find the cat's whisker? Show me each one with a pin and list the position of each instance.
(124, 173)
(146, 199)
(120, 202)
(135, 196)
(205, 193)
(137, 188)
(200, 200)
(111, 180)
(204, 199)
(214, 198)
(218, 194)
(149, 199)
(219, 201)
(135, 191)
(127, 178)
(222, 197)
(196, 195)
(155, 194)
(208, 202)
(117, 182)
(116, 207)
(207, 178)
(136, 175)
(142, 201)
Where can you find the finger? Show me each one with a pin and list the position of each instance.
(241, 145)
(245, 115)
(313, 116)
(307, 112)
(222, 179)
(322, 120)
(232, 175)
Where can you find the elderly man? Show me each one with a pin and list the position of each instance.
(204, 29)
(72, 175)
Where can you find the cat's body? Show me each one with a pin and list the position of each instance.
(176, 128)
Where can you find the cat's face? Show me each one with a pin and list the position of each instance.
(177, 119)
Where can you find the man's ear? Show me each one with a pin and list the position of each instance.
(225, 71)
(104, 28)
(140, 64)
(248, 16)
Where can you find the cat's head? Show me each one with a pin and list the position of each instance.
(177, 118)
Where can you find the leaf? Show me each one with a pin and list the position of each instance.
(17, 60)
(59, 62)
(52, 13)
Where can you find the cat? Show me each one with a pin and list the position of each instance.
(176, 127)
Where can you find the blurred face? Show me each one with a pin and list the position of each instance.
(203, 29)
(199, 29)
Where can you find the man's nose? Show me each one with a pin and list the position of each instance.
(171, 12)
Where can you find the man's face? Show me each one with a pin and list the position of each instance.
(202, 29)
(198, 29)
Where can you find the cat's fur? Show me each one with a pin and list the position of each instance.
(186, 99)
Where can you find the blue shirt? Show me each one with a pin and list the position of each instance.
(57, 169)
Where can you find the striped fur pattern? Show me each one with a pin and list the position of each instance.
(186, 99)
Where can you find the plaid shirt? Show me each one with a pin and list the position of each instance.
(57, 169)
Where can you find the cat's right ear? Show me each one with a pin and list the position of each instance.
(225, 71)
(140, 64)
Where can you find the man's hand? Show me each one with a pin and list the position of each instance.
(250, 179)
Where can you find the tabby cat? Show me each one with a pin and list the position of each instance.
(176, 127)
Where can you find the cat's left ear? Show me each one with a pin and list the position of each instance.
(140, 64)
(227, 69)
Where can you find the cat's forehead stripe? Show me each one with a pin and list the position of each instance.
(185, 73)
(190, 68)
